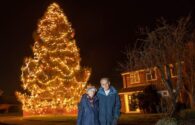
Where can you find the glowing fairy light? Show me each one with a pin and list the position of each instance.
(53, 79)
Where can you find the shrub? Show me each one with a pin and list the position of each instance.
(149, 100)
(167, 121)
(188, 114)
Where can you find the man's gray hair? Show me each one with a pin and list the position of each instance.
(105, 78)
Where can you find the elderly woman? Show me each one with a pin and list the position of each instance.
(88, 108)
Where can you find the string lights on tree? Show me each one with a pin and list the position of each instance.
(53, 80)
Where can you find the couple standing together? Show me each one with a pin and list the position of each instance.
(101, 108)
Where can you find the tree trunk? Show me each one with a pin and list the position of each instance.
(173, 111)
(168, 83)
(191, 99)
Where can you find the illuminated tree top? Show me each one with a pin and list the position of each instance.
(53, 77)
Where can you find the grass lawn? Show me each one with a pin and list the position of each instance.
(139, 119)
(125, 119)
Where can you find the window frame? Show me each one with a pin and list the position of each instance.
(148, 72)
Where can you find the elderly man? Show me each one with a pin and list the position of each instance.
(109, 103)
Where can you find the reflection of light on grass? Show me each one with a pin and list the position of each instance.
(52, 118)
(125, 119)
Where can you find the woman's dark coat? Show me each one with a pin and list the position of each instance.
(88, 115)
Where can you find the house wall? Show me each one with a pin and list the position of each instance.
(142, 77)
(123, 109)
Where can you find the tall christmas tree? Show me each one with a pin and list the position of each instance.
(53, 80)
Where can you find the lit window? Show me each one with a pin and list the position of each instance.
(134, 77)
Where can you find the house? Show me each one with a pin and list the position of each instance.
(135, 82)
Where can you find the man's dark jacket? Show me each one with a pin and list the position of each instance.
(109, 106)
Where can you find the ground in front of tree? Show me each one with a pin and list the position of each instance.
(125, 119)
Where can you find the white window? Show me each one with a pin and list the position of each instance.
(134, 77)
(151, 74)
(163, 93)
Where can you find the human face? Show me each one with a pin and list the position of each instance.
(91, 93)
(105, 84)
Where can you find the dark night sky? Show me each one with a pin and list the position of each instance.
(103, 29)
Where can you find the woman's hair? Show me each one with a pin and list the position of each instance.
(90, 87)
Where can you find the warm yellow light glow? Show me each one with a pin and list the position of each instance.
(53, 79)
(126, 101)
